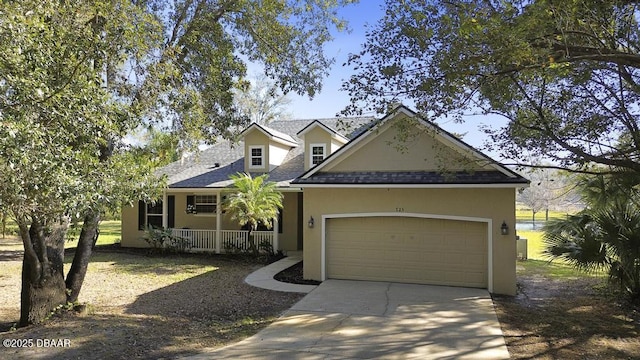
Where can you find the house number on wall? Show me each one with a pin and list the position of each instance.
(399, 209)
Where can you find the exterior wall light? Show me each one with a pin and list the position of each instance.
(504, 228)
(311, 222)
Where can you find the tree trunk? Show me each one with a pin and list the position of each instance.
(4, 224)
(252, 244)
(43, 288)
(533, 218)
(86, 243)
(40, 298)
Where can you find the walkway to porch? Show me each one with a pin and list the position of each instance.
(225, 241)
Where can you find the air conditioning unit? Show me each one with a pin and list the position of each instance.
(521, 248)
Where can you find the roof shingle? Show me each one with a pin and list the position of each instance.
(410, 177)
(212, 167)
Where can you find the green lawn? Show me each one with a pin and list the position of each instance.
(534, 243)
(539, 264)
(109, 234)
(525, 215)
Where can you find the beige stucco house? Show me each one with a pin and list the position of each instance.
(395, 199)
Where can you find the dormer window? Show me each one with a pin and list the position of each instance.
(318, 152)
(320, 142)
(265, 149)
(256, 154)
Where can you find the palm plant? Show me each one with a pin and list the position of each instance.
(604, 236)
(255, 201)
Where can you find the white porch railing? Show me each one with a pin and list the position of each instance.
(234, 240)
(230, 240)
(263, 236)
(199, 240)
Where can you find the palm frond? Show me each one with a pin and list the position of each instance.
(255, 200)
(573, 240)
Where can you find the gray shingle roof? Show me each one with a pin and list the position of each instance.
(410, 177)
(212, 167)
(323, 125)
(277, 135)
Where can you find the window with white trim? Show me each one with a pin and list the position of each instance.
(256, 157)
(154, 214)
(205, 204)
(317, 153)
(202, 204)
(151, 214)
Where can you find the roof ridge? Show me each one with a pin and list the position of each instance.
(325, 118)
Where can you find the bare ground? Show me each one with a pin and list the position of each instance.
(568, 319)
(165, 307)
(146, 307)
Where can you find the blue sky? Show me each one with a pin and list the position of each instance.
(331, 100)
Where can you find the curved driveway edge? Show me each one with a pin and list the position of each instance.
(369, 320)
(263, 277)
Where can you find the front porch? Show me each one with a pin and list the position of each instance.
(225, 241)
(195, 215)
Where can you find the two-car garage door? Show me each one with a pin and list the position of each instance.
(407, 249)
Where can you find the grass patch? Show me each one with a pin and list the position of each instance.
(539, 264)
(150, 306)
(535, 246)
(172, 268)
(110, 233)
(560, 312)
(523, 214)
(552, 270)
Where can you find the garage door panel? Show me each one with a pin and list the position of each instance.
(475, 277)
(403, 249)
(475, 261)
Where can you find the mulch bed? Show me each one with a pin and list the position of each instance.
(294, 275)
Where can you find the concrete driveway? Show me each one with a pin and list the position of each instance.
(370, 320)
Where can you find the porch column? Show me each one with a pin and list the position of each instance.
(218, 221)
(275, 234)
(165, 210)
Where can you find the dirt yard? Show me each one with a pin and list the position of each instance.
(145, 307)
(568, 318)
(150, 307)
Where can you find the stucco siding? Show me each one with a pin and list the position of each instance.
(335, 145)
(316, 135)
(277, 153)
(288, 239)
(256, 138)
(495, 204)
(397, 147)
(131, 236)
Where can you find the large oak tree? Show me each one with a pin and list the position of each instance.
(76, 76)
(565, 74)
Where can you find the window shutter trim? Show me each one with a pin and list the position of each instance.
(142, 215)
(171, 202)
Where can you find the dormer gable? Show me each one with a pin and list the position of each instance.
(320, 141)
(265, 148)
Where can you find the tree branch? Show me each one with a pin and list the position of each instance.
(630, 164)
(29, 252)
